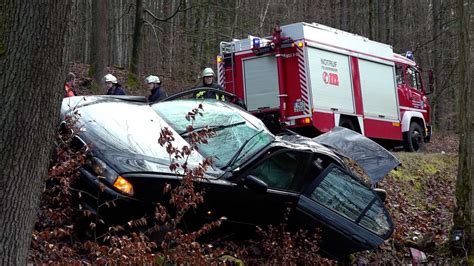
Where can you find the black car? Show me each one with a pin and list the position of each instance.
(256, 176)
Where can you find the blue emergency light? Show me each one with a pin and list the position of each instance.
(256, 43)
(409, 55)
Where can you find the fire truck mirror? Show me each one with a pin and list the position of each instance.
(431, 81)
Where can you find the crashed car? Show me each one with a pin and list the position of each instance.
(256, 176)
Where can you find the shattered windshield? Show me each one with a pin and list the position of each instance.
(234, 128)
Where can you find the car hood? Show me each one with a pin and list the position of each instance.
(124, 133)
(376, 161)
(130, 162)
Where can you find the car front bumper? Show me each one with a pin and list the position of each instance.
(108, 204)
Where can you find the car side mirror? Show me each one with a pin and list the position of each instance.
(64, 130)
(78, 144)
(381, 193)
(431, 81)
(256, 184)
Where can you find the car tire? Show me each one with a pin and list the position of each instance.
(414, 139)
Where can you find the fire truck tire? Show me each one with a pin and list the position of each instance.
(414, 138)
(347, 123)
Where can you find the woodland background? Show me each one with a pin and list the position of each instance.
(177, 38)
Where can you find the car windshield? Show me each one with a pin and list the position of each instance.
(234, 129)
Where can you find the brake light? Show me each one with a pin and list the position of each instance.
(123, 185)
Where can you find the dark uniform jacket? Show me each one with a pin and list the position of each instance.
(116, 89)
(157, 94)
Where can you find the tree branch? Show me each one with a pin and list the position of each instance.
(168, 18)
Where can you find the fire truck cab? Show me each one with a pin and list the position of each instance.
(311, 78)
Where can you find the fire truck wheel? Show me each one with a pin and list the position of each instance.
(414, 138)
(347, 123)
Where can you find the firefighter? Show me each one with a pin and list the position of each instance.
(208, 82)
(69, 85)
(112, 85)
(156, 91)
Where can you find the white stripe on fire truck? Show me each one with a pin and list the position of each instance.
(303, 80)
(221, 71)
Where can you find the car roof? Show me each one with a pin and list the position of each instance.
(298, 142)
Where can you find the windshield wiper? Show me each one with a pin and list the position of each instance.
(214, 128)
(237, 154)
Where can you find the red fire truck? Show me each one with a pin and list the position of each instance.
(311, 78)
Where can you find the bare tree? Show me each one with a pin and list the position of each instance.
(464, 215)
(137, 42)
(98, 40)
(32, 47)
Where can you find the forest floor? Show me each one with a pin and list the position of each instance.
(421, 200)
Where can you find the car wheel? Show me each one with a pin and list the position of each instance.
(414, 138)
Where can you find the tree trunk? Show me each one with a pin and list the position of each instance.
(437, 51)
(371, 19)
(33, 37)
(98, 40)
(344, 13)
(464, 215)
(137, 42)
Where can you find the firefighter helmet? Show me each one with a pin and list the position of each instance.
(207, 72)
(110, 78)
(152, 79)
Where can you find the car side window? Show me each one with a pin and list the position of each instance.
(399, 74)
(418, 81)
(347, 196)
(282, 170)
(376, 220)
(413, 79)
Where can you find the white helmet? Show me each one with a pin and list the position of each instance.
(152, 79)
(110, 78)
(207, 72)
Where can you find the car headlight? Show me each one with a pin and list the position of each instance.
(104, 172)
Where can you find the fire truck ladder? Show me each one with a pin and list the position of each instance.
(227, 50)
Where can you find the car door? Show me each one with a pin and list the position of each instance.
(351, 216)
(415, 87)
(282, 171)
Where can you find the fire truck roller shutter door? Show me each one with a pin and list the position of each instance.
(379, 92)
(331, 81)
(261, 83)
